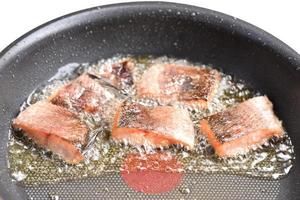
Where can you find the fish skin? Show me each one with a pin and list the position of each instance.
(83, 94)
(187, 84)
(118, 74)
(242, 127)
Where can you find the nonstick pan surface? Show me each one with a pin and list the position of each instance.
(153, 28)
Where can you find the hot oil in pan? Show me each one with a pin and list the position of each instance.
(30, 164)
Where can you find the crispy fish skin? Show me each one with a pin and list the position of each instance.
(188, 84)
(54, 128)
(161, 126)
(117, 74)
(242, 127)
(83, 94)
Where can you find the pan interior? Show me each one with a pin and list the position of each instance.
(31, 164)
(159, 29)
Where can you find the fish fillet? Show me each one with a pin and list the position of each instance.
(84, 94)
(187, 84)
(55, 128)
(161, 126)
(118, 74)
(240, 128)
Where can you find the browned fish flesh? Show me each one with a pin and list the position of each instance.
(118, 74)
(83, 94)
(188, 84)
(55, 128)
(160, 126)
(242, 127)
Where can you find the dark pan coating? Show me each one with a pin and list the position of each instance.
(189, 84)
(241, 127)
(54, 128)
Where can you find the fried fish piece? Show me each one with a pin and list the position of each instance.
(242, 127)
(160, 126)
(119, 74)
(86, 94)
(187, 84)
(55, 128)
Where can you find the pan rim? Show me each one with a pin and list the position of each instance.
(241, 27)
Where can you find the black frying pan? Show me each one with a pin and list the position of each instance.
(200, 35)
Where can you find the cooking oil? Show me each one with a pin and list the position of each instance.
(30, 164)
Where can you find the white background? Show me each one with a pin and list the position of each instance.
(278, 17)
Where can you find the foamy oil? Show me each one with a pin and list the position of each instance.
(30, 164)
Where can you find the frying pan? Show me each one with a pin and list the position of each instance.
(154, 28)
